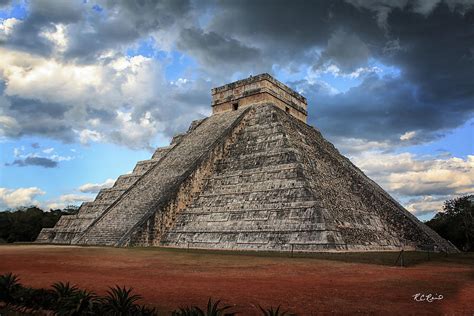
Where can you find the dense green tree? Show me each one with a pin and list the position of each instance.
(456, 222)
(24, 224)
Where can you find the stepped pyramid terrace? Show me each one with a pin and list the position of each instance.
(252, 176)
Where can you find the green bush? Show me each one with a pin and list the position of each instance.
(35, 298)
(66, 299)
(9, 287)
(213, 309)
(456, 222)
(120, 301)
(82, 302)
(271, 312)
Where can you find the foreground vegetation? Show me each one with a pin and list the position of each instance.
(66, 299)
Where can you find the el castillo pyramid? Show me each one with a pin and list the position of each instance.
(252, 176)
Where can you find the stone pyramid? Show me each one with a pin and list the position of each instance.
(253, 176)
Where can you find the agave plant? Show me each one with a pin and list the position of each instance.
(146, 311)
(120, 301)
(35, 298)
(82, 302)
(188, 311)
(213, 309)
(271, 312)
(9, 285)
(64, 290)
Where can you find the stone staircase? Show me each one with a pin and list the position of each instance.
(257, 198)
(157, 182)
(70, 227)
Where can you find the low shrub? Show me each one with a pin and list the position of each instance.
(9, 286)
(271, 312)
(213, 309)
(66, 299)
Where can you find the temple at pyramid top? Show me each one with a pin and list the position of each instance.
(260, 89)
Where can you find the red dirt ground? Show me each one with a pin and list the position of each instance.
(168, 279)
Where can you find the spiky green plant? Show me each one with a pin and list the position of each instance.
(64, 290)
(188, 311)
(146, 311)
(213, 309)
(120, 301)
(35, 298)
(273, 312)
(83, 302)
(9, 285)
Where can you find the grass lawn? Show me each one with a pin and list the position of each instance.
(307, 284)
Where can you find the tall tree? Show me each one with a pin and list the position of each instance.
(456, 222)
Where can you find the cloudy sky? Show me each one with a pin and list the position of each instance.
(87, 88)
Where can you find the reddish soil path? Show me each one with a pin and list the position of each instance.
(168, 279)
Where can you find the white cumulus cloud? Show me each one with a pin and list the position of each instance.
(68, 199)
(12, 198)
(96, 187)
(408, 135)
(427, 180)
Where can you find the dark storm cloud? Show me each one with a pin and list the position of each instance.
(432, 45)
(123, 22)
(42, 15)
(34, 161)
(344, 50)
(380, 108)
(105, 115)
(436, 53)
(285, 31)
(38, 118)
(196, 93)
(216, 52)
(92, 31)
(4, 3)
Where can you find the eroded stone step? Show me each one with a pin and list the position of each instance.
(224, 187)
(224, 174)
(250, 205)
(125, 181)
(161, 151)
(260, 237)
(144, 165)
(108, 196)
(256, 193)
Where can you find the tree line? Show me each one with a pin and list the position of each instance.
(24, 224)
(456, 222)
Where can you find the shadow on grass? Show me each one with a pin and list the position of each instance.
(387, 258)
